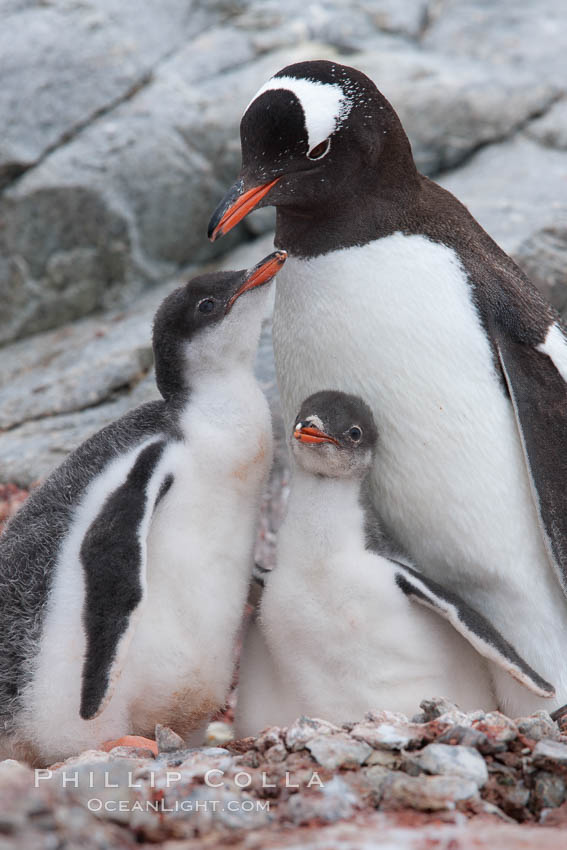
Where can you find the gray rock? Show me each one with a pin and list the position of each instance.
(59, 387)
(524, 35)
(499, 729)
(548, 791)
(167, 740)
(110, 784)
(377, 778)
(444, 759)
(549, 753)
(551, 129)
(387, 730)
(336, 800)
(338, 750)
(29, 452)
(512, 189)
(304, 729)
(427, 793)
(543, 257)
(126, 202)
(270, 737)
(538, 726)
(433, 708)
(450, 107)
(467, 737)
(64, 63)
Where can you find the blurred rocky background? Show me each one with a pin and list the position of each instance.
(119, 134)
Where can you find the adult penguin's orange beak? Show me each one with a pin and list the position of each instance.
(235, 205)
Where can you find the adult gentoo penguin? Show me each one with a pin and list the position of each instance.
(393, 291)
(123, 578)
(338, 630)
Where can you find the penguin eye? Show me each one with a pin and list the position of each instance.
(207, 305)
(355, 433)
(320, 150)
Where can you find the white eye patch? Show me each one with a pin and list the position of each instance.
(325, 105)
(314, 420)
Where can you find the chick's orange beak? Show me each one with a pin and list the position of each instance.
(235, 205)
(310, 434)
(260, 274)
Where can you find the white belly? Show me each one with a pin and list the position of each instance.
(393, 321)
(179, 661)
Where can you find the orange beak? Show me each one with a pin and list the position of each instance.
(260, 274)
(309, 434)
(235, 205)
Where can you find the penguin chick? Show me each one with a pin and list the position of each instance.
(124, 576)
(342, 629)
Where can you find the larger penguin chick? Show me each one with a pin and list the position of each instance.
(123, 578)
(343, 629)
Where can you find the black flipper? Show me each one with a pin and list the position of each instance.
(113, 555)
(481, 634)
(539, 396)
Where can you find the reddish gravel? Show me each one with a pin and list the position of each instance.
(11, 497)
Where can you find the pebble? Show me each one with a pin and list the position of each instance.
(167, 740)
(445, 759)
(538, 726)
(339, 750)
(548, 751)
(548, 790)
(428, 793)
(304, 729)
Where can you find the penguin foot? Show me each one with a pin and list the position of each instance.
(131, 741)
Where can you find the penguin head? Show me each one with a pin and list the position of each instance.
(334, 435)
(314, 134)
(211, 324)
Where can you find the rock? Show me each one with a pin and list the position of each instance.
(507, 33)
(334, 801)
(389, 759)
(461, 761)
(304, 729)
(538, 726)
(64, 63)
(338, 750)
(433, 708)
(508, 791)
(106, 789)
(549, 791)
(551, 129)
(512, 188)
(31, 451)
(126, 202)
(376, 777)
(498, 728)
(167, 740)
(387, 730)
(450, 107)
(543, 257)
(467, 737)
(78, 367)
(550, 754)
(428, 793)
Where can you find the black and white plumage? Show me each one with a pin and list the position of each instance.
(123, 577)
(394, 292)
(338, 631)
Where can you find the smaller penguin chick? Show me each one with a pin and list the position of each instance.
(338, 630)
(123, 578)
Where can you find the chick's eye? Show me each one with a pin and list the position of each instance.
(207, 305)
(319, 151)
(355, 433)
